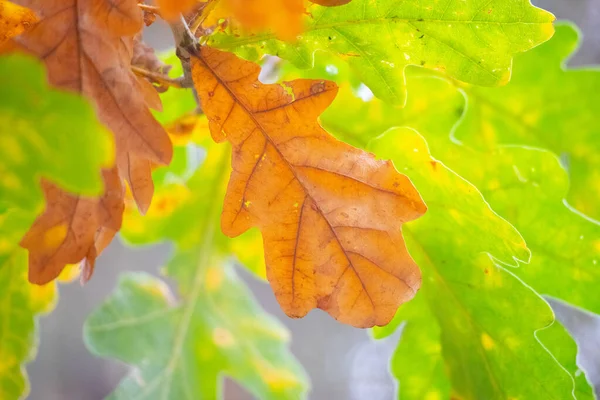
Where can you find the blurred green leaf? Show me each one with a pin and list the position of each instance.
(44, 133)
(175, 102)
(182, 349)
(216, 328)
(473, 41)
(546, 105)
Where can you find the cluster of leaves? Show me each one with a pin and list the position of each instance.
(340, 227)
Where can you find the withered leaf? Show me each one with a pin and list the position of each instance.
(330, 214)
(87, 48)
(14, 20)
(68, 229)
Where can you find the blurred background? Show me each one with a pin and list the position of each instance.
(342, 362)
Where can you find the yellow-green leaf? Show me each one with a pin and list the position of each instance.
(546, 105)
(488, 318)
(187, 342)
(473, 41)
(44, 133)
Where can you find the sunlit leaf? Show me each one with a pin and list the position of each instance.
(488, 318)
(506, 174)
(330, 214)
(473, 41)
(546, 105)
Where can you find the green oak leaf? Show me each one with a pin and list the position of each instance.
(564, 248)
(565, 243)
(473, 41)
(44, 133)
(417, 362)
(184, 347)
(179, 199)
(488, 318)
(546, 105)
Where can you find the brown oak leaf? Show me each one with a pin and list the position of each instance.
(69, 227)
(330, 214)
(87, 47)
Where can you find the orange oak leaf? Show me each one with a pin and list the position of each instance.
(283, 17)
(87, 47)
(170, 9)
(14, 20)
(69, 227)
(330, 214)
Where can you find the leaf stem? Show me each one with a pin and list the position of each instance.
(161, 79)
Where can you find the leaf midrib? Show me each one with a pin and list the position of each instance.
(292, 169)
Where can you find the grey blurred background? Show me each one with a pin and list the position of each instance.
(343, 363)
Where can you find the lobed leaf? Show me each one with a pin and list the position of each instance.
(563, 247)
(532, 111)
(87, 49)
(489, 319)
(182, 350)
(330, 214)
(184, 347)
(44, 134)
(473, 41)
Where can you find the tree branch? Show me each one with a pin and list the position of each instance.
(161, 79)
(186, 45)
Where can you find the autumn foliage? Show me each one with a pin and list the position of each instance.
(330, 214)
(310, 181)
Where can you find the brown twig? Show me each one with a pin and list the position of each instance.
(187, 45)
(161, 79)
